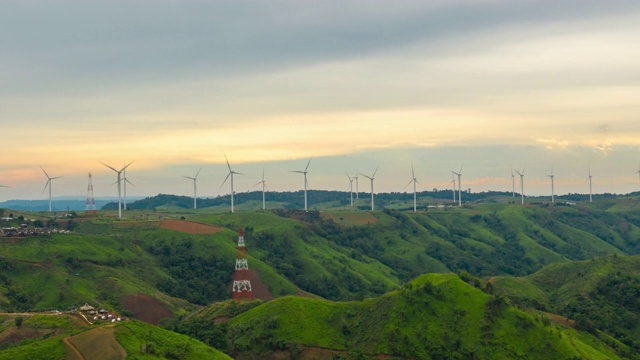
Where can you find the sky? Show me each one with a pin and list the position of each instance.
(484, 85)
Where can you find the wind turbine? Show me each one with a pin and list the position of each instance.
(194, 187)
(521, 184)
(125, 181)
(513, 184)
(119, 172)
(414, 181)
(459, 173)
(372, 177)
(350, 187)
(590, 193)
(453, 181)
(552, 192)
(48, 183)
(264, 186)
(231, 172)
(357, 191)
(305, 182)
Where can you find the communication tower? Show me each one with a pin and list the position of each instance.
(241, 284)
(90, 207)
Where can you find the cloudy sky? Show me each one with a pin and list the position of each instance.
(176, 85)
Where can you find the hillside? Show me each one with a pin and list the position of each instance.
(434, 316)
(63, 336)
(602, 293)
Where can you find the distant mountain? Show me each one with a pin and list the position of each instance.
(57, 204)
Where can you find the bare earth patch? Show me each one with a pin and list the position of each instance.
(189, 227)
(146, 308)
(99, 343)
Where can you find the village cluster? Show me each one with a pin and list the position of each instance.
(99, 315)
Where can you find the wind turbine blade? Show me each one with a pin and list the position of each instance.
(126, 166)
(188, 177)
(109, 167)
(237, 173)
(45, 173)
(374, 173)
(367, 177)
(460, 171)
(413, 175)
(408, 184)
(57, 177)
(225, 159)
(225, 180)
(130, 183)
(309, 162)
(198, 173)
(297, 171)
(45, 186)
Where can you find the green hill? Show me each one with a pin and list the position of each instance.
(60, 337)
(600, 294)
(434, 316)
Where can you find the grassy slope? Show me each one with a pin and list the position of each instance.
(435, 315)
(131, 335)
(580, 289)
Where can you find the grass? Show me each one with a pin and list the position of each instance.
(144, 341)
(435, 315)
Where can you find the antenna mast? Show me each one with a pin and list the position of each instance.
(90, 207)
(241, 284)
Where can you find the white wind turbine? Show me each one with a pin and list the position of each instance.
(231, 172)
(589, 179)
(124, 183)
(414, 181)
(357, 190)
(194, 187)
(119, 181)
(264, 187)
(513, 184)
(48, 183)
(372, 177)
(459, 173)
(305, 182)
(350, 187)
(552, 192)
(521, 184)
(453, 181)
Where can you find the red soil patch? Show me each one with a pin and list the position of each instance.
(258, 287)
(561, 320)
(189, 227)
(146, 308)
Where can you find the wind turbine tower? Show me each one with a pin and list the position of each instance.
(48, 183)
(119, 172)
(414, 181)
(350, 187)
(552, 192)
(459, 173)
(372, 177)
(513, 184)
(264, 187)
(521, 184)
(453, 181)
(304, 172)
(125, 181)
(231, 172)
(590, 192)
(194, 187)
(357, 190)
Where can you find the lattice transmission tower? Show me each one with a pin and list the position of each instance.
(90, 206)
(241, 284)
